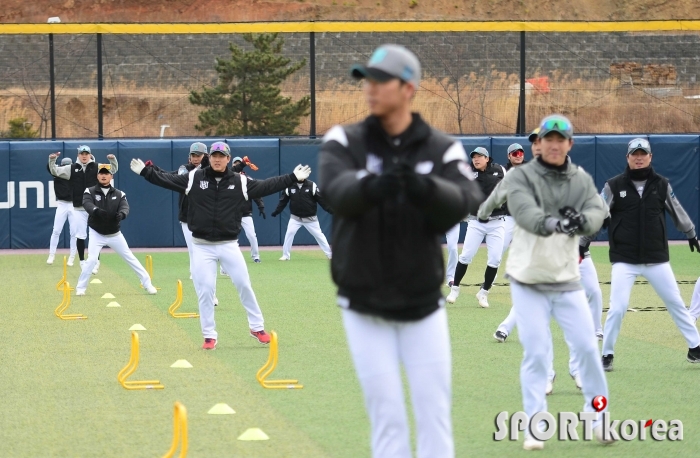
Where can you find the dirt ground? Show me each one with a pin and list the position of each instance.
(37, 11)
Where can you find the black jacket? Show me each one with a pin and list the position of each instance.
(114, 202)
(248, 207)
(184, 169)
(62, 188)
(637, 228)
(302, 201)
(81, 179)
(215, 208)
(387, 256)
(488, 179)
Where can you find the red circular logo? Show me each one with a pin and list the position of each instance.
(599, 403)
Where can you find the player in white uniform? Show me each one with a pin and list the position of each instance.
(487, 175)
(63, 190)
(639, 199)
(107, 207)
(247, 219)
(543, 267)
(216, 195)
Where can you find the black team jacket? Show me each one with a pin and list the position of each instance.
(387, 256)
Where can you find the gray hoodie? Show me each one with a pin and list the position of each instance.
(535, 193)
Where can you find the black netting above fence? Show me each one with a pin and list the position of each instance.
(606, 82)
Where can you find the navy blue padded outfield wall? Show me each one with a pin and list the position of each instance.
(27, 200)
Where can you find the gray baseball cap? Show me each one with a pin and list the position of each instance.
(480, 150)
(237, 158)
(638, 143)
(66, 161)
(389, 62)
(515, 147)
(198, 148)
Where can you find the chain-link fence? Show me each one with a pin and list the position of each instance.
(638, 82)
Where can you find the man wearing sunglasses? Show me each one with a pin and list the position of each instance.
(552, 202)
(639, 199)
(216, 196)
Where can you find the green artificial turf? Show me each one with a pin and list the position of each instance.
(61, 397)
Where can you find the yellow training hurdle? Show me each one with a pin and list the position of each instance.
(63, 306)
(270, 366)
(130, 368)
(178, 302)
(64, 278)
(179, 432)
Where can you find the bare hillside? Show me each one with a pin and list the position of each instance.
(18, 11)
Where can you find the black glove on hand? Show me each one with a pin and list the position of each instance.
(694, 246)
(418, 187)
(566, 226)
(606, 222)
(483, 221)
(582, 251)
(573, 216)
(100, 213)
(377, 188)
(274, 214)
(262, 213)
(120, 216)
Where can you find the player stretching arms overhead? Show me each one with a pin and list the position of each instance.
(216, 196)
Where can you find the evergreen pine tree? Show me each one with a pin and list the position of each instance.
(247, 100)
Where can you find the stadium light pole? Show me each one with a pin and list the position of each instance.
(52, 79)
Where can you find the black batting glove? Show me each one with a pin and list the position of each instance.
(582, 251)
(120, 216)
(262, 213)
(274, 214)
(694, 246)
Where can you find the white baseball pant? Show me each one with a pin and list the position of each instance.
(187, 233)
(64, 210)
(452, 239)
(508, 229)
(204, 265)
(533, 311)
(661, 278)
(311, 225)
(249, 228)
(379, 347)
(591, 286)
(507, 327)
(476, 232)
(80, 216)
(117, 242)
(695, 301)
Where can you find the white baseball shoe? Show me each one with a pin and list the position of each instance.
(222, 271)
(82, 264)
(599, 335)
(49, 261)
(71, 258)
(80, 292)
(483, 297)
(577, 380)
(532, 444)
(216, 301)
(550, 385)
(454, 294)
(152, 290)
(284, 258)
(97, 268)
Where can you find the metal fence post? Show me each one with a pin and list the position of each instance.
(521, 102)
(100, 120)
(312, 78)
(52, 83)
